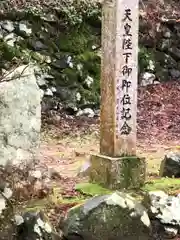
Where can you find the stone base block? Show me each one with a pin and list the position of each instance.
(118, 173)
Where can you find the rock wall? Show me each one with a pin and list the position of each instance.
(159, 41)
(64, 39)
(20, 116)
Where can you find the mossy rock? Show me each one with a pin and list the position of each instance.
(7, 52)
(107, 217)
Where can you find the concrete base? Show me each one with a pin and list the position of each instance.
(118, 173)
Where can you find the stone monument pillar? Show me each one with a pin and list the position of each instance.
(117, 165)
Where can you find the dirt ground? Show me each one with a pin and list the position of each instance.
(70, 141)
(67, 155)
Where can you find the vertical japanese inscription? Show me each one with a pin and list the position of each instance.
(123, 84)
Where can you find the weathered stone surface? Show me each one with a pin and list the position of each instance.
(147, 79)
(175, 73)
(163, 74)
(165, 44)
(20, 116)
(165, 60)
(8, 26)
(86, 112)
(115, 216)
(117, 173)
(163, 207)
(170, 166)
(48, 92)
(10, 39)
(33, 226)
(175, 53)
(24, 29)
(118, 136)
(170, 232)
(38, 45)
(167, 33)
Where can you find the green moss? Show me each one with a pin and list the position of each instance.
(164, 184)
(80, 11)
(74, 200)
(91, 67)
(91, 189)
(77, 40)
(89, 96)
(51, 201)
(35, 208)
(130, 165)
(145, 56)
(59, 201)
(36, 205)
(38, 57)
(91, 64)
(167, 185)
(8, 52)
(70, 76)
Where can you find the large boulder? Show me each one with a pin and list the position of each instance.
(20, 116)
(170, 166)
(164, 209)
(115, 216)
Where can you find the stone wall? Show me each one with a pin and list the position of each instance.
(63, 39)
(159, 40)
